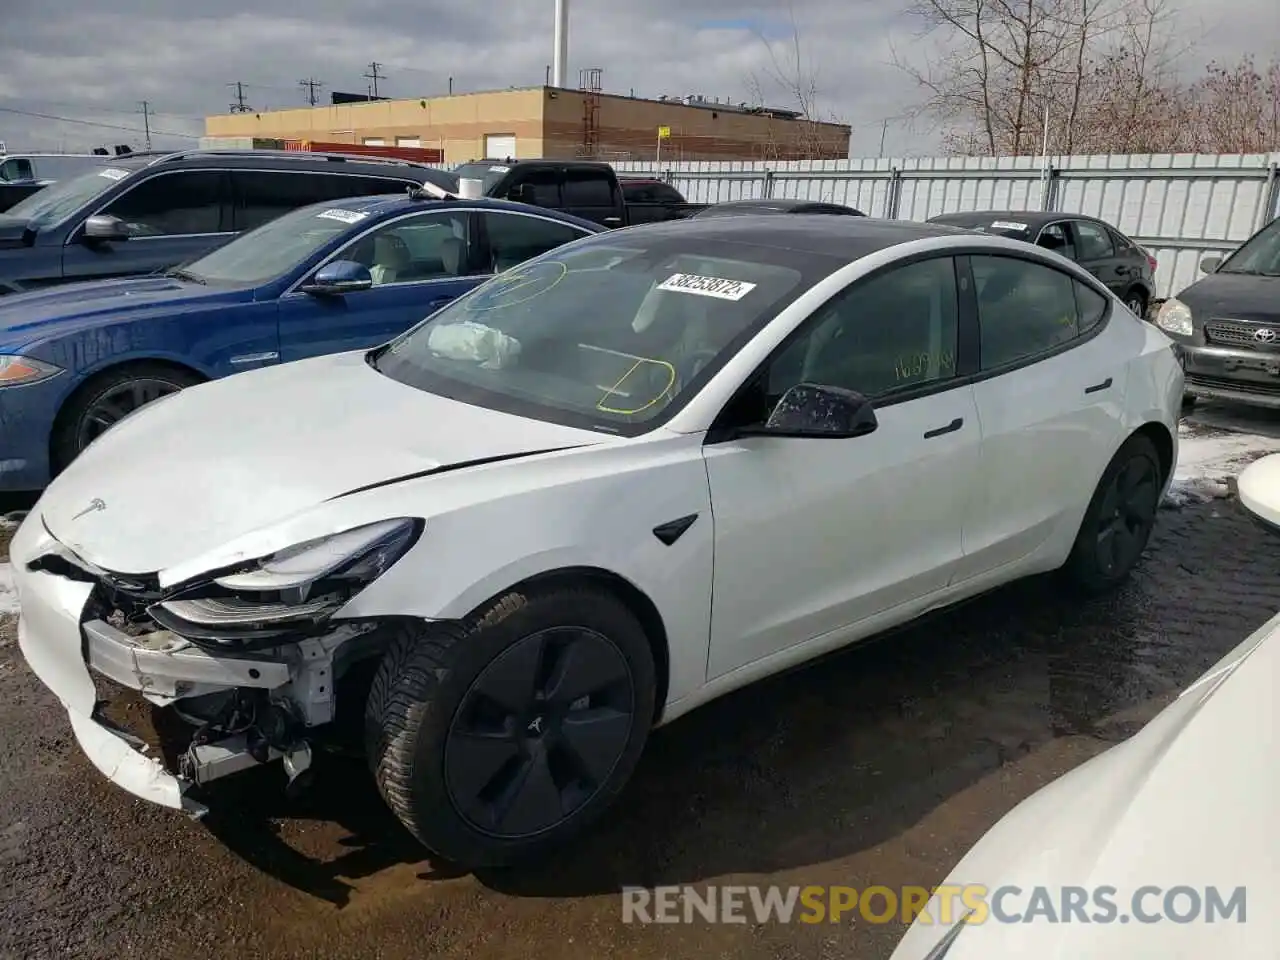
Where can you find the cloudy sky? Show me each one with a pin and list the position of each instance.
(76, 61)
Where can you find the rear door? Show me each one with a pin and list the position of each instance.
(173, 217)
(1050, 400)
(593, 194)
(419, 263)
(262, 195)
(1096, 252)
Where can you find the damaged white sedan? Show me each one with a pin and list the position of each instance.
(605, 487)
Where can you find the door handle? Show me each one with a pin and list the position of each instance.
(1122, 269)
(951, 427)
(1105, 384)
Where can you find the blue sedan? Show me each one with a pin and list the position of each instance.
(341, 275)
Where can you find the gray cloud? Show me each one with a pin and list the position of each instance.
(77, 60)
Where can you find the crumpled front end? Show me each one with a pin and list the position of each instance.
(86, 632)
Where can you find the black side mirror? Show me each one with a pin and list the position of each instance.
(815, 410)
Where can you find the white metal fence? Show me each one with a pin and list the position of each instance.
(1180, 207)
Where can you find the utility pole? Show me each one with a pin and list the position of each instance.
(145, 109)
(375, 77)
(239, 106)
(310, 85)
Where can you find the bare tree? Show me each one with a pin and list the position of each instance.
(792, 73)
(1236, 109)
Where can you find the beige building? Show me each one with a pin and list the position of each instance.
(551, 122)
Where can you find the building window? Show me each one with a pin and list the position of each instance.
(375, 142)
(408, 141)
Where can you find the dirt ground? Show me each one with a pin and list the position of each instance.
(882, 765)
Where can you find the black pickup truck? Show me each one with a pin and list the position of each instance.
(584, 188)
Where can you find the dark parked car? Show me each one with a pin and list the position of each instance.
(336, 276)
(738, 208)
(1226, 325)
(1126, 268)
(26, 173)
(584, 188)
(141, 213)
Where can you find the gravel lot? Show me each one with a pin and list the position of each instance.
(880, 767)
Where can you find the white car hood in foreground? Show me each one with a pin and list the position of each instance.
(229, 457)
(1190, 800)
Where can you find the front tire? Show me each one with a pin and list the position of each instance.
(107, 399)
(1119, 519)
(498, 738)
(1137, 302)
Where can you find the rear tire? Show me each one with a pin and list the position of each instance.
(106, 399)
(1137, 302)
(1119, 519)
(500, 737)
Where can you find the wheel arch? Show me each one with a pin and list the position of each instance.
(1162, 440)
(629, 595)
(96, 376)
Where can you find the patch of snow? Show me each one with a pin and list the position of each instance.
(1206, 461)
(8, 593)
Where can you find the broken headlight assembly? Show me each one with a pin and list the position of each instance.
(287, 592)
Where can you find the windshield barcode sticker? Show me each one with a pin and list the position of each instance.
(111, 173)
(717, 287)
(1008, 225)
(343, 216)
(499, 169)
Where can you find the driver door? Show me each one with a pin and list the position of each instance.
(815, 538)
(418, 263)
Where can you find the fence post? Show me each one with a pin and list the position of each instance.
(893, 196)
(1271, 205)
(768, 184)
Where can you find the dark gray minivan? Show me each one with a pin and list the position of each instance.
(1227, 324)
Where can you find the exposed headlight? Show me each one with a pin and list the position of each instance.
(17, 371)
(301, 584)
(1175, 317)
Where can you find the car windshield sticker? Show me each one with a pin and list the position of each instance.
(516, 285)
(342, 216)
(1008, 225)
(499, 169)
(717, 287)
(111, 173)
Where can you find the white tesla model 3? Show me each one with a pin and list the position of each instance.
(604, 488)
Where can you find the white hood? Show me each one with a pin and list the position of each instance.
(1190, 800)
(225, 458)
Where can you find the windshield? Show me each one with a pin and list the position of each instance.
(272, 249)
(611, 336)
(488, 173)
(55, 203)
(1259, 256)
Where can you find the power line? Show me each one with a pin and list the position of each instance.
(239, 106)
(310, 85)
(95, 107)
(374, 76)
(94, 123)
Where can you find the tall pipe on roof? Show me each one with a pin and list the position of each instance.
(560, 59)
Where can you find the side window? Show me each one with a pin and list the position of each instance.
(514, 238)
(640, 194)
(171, 204)
(1093, 242)
(1055, 237)
(16, 169)
(349, 186)
(587, 190)
(1024, 309)
(1091, 307)
(897, 330)
(667, 194)
(544, 187)
(427, 247)
(264, 195)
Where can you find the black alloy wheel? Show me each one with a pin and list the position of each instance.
(539, 732)
(1126, 516)
(109, 408)
(1137, 303)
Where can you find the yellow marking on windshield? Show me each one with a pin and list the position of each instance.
(614, 391)
(517, 278)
